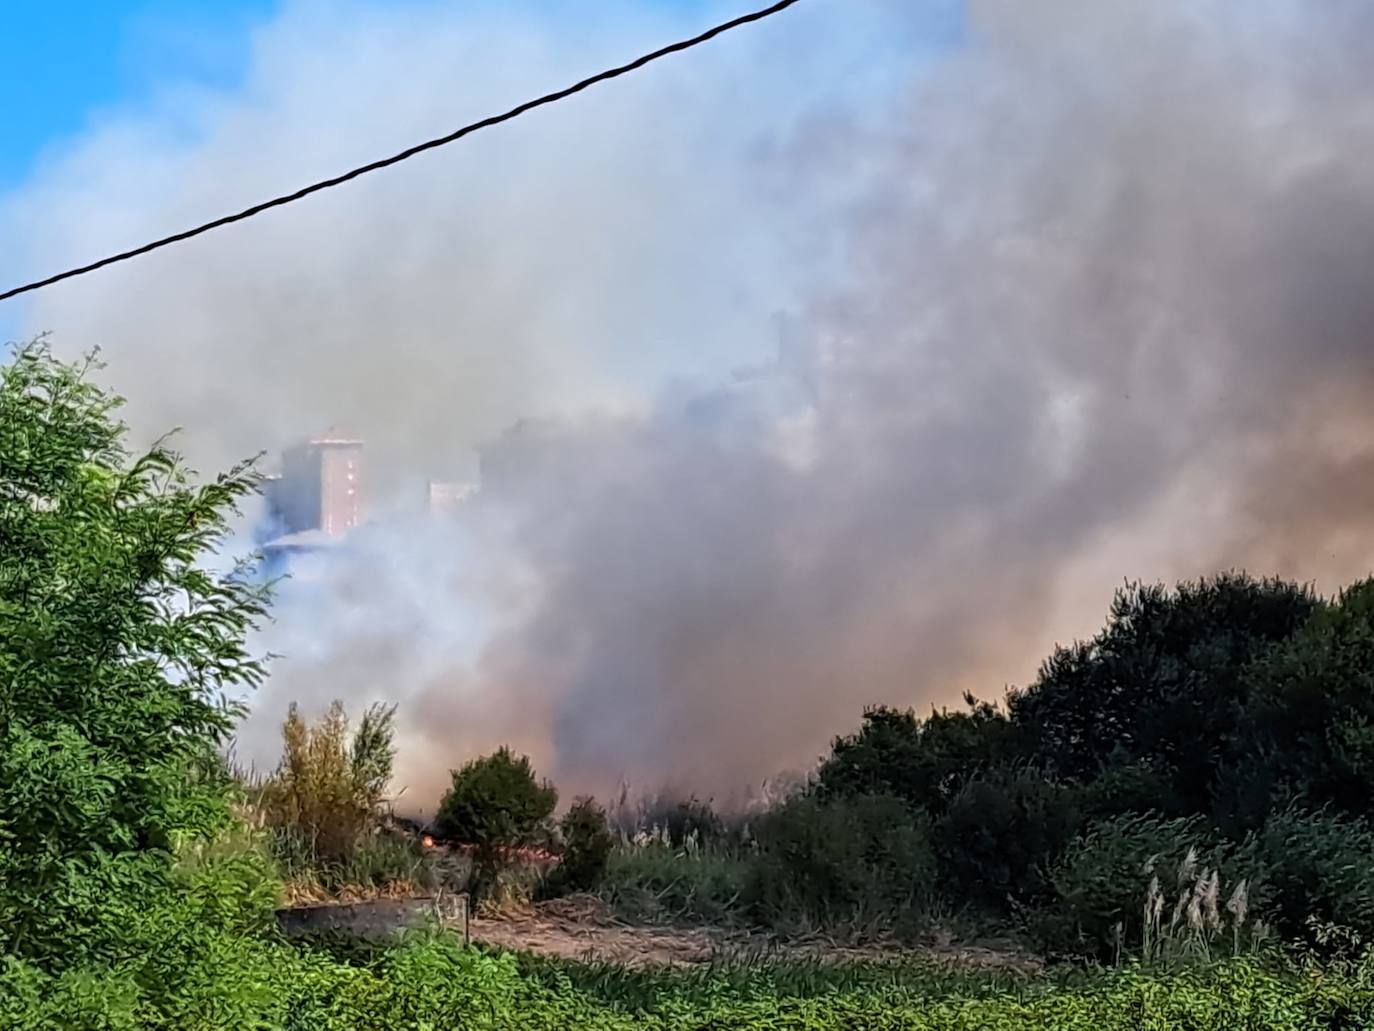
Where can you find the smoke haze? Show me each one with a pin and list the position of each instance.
(840, 387)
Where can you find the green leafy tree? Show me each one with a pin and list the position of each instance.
(495, 803)
(923, 761)
(117, 648)
(1162, 685)
(1308, 728)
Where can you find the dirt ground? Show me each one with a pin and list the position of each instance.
(580, 928)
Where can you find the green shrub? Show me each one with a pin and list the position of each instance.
(1000, 833)
(1101, 883)
(495, 803)
(1315, 867)
(861, 866)
(327, 793)
(651, 881)
(586, 847)
(496, 800)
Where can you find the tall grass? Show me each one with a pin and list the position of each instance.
(331, 784)
(648, 879)
(323, 810)
(375, 864)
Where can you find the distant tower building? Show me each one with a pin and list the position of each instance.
(318, 498)
(447, 497)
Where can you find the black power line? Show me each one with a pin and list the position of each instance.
(409, 152)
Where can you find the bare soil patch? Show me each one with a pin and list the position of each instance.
(581, 928)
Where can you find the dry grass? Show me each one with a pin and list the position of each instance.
(330, 787)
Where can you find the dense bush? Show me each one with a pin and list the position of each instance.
(586, 847)
(1314, 868)
(495, 803)
(1101, 883)
(1000, 832)
(923, 761)
(1127, 786)
(1225, 700)
(861, 866)
(327, 793)
(649, 880)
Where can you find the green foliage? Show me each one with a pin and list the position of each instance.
(1308, 729)
(496, 801)
(1101, 882)
(925, 762)
(652, 881)
(116, 649)
(1315, 867)
(1127, 786)
(328, 790)
(1163, 684)
(434, 982)
(861, 866)
(999, 833)
(587, 845)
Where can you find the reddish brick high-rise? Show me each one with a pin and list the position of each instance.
(321, 486)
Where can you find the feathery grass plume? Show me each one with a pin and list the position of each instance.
(1211, 893)
(1188, 867)
(1238, 906)
(1194, 908)
(1154, 907)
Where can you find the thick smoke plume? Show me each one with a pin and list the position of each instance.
(1082, 296)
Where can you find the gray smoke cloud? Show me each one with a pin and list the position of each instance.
(1083, 296)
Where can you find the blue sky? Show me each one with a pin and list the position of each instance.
(67, 65)
(63, 60)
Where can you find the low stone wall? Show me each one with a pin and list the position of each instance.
(378, 918)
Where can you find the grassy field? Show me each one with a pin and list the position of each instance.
(433, 981)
